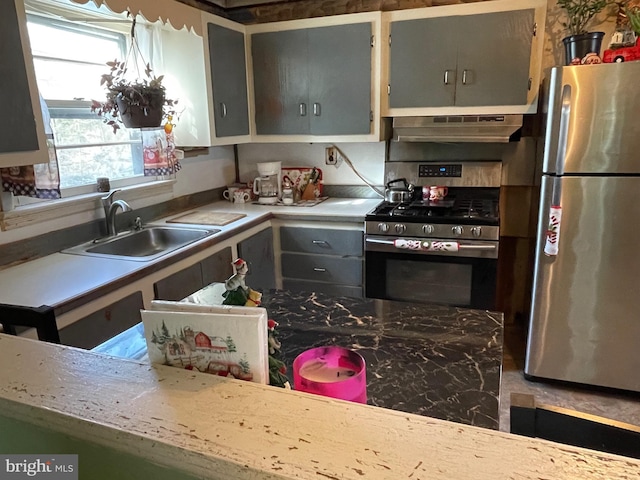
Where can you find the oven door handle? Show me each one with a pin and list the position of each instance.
(477, 247)
(379, 240)
(415, 245)
(482, 246)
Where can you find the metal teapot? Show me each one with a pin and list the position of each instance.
(398, 194)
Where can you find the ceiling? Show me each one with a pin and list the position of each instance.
(240, 3)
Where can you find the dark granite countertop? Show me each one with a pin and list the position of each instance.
(432, 360)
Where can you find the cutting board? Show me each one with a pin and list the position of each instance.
(208, 218)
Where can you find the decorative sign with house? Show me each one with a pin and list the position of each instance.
(227, 345)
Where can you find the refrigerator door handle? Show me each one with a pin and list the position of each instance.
(563, 133)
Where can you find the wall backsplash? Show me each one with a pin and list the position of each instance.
(368, 159)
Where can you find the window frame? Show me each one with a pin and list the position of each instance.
(82, 106)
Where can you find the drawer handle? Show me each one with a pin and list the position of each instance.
(320, 242)
(318, 269)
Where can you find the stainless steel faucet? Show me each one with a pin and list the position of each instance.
(110, 206)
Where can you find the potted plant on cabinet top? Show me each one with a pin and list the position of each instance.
(136, 103)
(581, 42)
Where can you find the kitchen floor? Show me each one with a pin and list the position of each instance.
(616, 406)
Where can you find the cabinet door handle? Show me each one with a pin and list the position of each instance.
(320, 242)
(303, 109)
(316, 109)
(446, 77)
(464, 76)
(318, 269)
(223, 107)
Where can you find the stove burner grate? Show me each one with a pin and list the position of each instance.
(477, 204)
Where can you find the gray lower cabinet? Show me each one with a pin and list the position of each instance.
(229, 80)
(323, 260)
(432, 65)
(313, 81)
(257, 251)
(216, 268)
(104, 324)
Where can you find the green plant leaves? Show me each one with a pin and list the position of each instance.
(581, 12)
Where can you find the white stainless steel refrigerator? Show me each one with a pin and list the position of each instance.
(585, 318)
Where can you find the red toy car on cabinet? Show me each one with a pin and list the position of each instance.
(624, 54)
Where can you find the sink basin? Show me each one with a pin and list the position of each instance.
(142, 245)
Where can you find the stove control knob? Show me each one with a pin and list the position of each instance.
(476, 231)
(428, 229)
(457, 230)
(383, 227)
(400, 228)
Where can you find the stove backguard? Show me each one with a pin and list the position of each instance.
(448, 173)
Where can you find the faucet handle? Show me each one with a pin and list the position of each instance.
(108, 199)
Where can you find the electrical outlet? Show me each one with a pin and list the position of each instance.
(339, 159)
(331, 156)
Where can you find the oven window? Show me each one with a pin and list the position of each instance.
(424, 281)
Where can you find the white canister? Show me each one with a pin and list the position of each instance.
(287, 196)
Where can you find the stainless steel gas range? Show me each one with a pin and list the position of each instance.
(442, 251)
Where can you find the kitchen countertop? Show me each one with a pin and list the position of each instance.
(209, 427)
(433, 360)
(38, 282)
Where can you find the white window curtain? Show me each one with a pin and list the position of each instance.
(150, 42)
(177, 14)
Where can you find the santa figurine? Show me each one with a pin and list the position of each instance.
(237, 291)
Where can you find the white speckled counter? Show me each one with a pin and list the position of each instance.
(210, 427)
(61, 279)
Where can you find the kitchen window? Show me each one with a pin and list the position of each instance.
(69, 59)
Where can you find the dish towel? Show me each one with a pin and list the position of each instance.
(41, 180)
(426, 246)
(553, 231)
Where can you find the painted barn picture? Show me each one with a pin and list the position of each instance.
(227, 345)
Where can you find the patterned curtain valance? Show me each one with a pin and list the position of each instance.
(175, 13)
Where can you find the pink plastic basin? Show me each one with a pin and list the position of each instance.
(334, 372)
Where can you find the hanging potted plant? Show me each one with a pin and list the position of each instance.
(136, 103)
(581, 42)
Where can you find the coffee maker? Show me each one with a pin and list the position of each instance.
(268, 185)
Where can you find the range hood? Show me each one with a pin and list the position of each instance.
(457, 128)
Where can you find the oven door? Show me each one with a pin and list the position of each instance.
(465, 278)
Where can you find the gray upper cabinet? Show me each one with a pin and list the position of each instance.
(229, 81)
(420, 59)
(22, 134)
(433, 65)
(313, 81)
(340, 79)
(280, 78)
